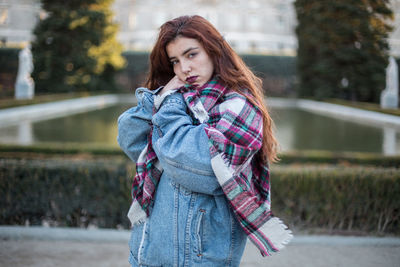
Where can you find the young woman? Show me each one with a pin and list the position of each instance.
(201, 138)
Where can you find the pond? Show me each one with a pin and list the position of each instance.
(296, 130)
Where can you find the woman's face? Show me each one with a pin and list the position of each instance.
(190, 61)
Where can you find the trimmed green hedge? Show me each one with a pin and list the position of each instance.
(8, 70)
(9, 60)
(264, 65)
(343, 158)
(64, 192)
(67, 192)
(135, 71)
(358, 198)
(59, 148)
(302, 157)
(278, 72)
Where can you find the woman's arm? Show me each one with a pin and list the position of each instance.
(134, 124)
(183, 148)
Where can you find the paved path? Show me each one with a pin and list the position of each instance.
(38, 246)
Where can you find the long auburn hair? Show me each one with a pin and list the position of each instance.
(229, 67)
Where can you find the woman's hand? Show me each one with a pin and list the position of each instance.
(174, 83)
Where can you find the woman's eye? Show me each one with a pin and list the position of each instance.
(174, 62)
(192, 55)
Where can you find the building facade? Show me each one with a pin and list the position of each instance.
(394, 40)
(250, 26)
(259, 26)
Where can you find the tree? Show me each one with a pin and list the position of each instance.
(75, 48)
(343, 48)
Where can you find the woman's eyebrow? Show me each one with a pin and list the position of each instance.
(185, 52)
(188, 50)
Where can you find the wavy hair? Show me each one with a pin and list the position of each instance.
(229, 67)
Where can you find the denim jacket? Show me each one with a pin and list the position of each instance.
(191, 223)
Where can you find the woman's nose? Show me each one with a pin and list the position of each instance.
(185, 67)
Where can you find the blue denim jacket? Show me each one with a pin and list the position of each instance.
(191, 223)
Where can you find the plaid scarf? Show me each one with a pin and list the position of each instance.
(234, 129)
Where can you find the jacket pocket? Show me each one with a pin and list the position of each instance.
(199, 232)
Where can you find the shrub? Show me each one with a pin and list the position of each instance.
(68, 192)
(277, 72)
(343, 60)
(8, 70)
(343, 158)
(300, 157)
(75, 47)
(337, 198)
(64, 192)
(54, 149)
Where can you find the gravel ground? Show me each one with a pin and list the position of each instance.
(89, 248)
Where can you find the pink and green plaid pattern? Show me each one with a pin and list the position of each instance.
(234, 129)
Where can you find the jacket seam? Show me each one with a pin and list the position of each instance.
(229, 260)
(142, 244)
(194, 170)
(188, 230)
(176, 239)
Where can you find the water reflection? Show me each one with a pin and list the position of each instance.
(19, 134)
(390, 146)
(25, 133)
(296, 130)
(98, 126)
(302, 130)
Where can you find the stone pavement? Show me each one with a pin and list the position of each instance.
(40, 246)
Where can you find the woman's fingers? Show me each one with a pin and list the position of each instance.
(174, 83)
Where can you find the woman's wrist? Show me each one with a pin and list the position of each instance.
(160, 98)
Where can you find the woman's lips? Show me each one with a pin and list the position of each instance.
(191, 79)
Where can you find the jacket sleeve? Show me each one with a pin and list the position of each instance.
(134, 124)
(183, 148)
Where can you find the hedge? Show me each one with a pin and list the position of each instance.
(79, 193)
(64, 192)
(53, 149)
(358, 198)
(278, 72)
(9, 59)
(342, 158)
(8, 70)
(302, 157)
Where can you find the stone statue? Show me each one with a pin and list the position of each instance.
(390, 96)
(25, 86)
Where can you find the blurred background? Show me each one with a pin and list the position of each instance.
(325, 67)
